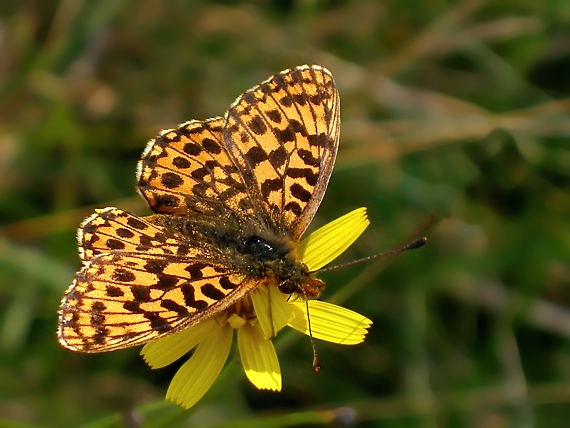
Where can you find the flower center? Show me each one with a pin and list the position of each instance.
(240, 313)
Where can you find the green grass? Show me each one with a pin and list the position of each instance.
(455, 124)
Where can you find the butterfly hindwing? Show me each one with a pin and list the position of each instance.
(124, 299)
(111, 229)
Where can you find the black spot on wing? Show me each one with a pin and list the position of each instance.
(274, 116)
(132, 306)
(209, 290)
(192, 149)
(100, 336)
(227, 284)
(136, 223)
(156, 322)
(211, 146)
(124, 233)
(316, 99)
(310, 176)
(123, 275)
(293, 207)
(284, 135)
(308, 158)
(319, 140)
(165, 282)
(113, 291)
(97, 317)
(257, 125)
(155, 265)
(278, 157)
(90, 228)
(180, 162)
(171, 305)
(300, 193)
(190, 298)
(141, 294)
(195, 270)
(200, 173)
(171, 180)
(269, 186)
(286, 101)
(255, 156)
(146, 242)
(114, 244)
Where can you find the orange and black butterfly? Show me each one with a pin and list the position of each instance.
(231, 198)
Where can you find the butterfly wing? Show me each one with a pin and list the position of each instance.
(283, 135)
(111, 229)
(188, 170)
(149, 287)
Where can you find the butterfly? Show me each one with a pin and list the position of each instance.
(231, 197)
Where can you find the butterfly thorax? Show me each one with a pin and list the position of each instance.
(259, 254)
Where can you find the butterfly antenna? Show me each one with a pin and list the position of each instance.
(316, 361)
(412, 246)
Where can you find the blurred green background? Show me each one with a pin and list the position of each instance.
(455, 124)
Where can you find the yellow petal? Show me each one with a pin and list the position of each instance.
(258, 358)
(165, 351)
(270, 304)
(325, 244)
(330, 322)
(197, 375)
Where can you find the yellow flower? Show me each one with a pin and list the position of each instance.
(257, 322)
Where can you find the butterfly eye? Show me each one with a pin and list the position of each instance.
(288, 287)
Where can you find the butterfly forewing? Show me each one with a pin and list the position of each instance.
(283, 135)
(188, 170)
(261, 170)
